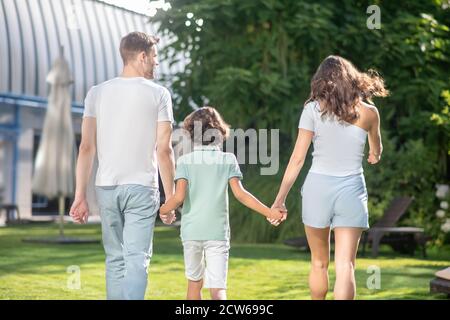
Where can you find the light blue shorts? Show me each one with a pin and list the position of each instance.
(330, 201)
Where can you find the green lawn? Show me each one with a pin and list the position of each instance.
(256, 271)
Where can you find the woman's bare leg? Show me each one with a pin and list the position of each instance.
(319, 243)
(346, 248)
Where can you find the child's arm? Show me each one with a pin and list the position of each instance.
(250, 201)
(176, 200)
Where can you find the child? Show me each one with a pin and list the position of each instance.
(202, 179)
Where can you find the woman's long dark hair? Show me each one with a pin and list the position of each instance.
(339, 87)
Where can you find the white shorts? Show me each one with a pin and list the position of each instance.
(207, 260)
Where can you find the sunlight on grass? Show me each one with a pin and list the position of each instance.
(256, 271)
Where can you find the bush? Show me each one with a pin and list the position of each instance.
(253, 60)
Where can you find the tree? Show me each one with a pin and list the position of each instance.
(253, 61)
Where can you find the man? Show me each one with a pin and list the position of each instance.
(127, 121)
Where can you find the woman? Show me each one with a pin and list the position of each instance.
(334, 195)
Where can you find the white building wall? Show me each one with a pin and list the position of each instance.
(31, 35)
(5, 174)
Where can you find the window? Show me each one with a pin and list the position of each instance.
(6, 114)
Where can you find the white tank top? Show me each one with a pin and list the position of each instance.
(338, 146)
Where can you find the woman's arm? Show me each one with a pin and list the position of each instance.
(375, 145)
(250, 201)
(296, 162)
(177, 199)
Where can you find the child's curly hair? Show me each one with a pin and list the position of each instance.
(209, 119)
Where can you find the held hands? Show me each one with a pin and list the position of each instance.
(79, 210)
(167, 218)
(276, 214)
(279, 214)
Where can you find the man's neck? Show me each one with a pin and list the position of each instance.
(130, 72)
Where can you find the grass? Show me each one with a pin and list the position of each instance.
(256, 271)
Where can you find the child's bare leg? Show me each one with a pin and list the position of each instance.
(218, 294)
(194, 291)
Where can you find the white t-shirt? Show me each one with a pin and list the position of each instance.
(338, 146)
(127, 111)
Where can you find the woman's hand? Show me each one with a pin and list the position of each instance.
(276, 214)
(373, 158)
(280, 206)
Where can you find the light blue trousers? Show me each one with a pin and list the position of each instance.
(128, 214)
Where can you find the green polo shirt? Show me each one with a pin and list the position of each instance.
(205, 209)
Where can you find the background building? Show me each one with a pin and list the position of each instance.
(32, 34)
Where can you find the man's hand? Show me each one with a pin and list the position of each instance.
(79, 210)
(168, 218)
(86, 154)
(282, 208)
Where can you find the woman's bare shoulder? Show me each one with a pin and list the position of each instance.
(369, 116)
(370, 111)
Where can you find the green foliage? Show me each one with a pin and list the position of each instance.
(442, 121)
(410, 170)
(253, 60)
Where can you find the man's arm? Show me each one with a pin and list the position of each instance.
(165, 154)
(79, 210)
(166, 162)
